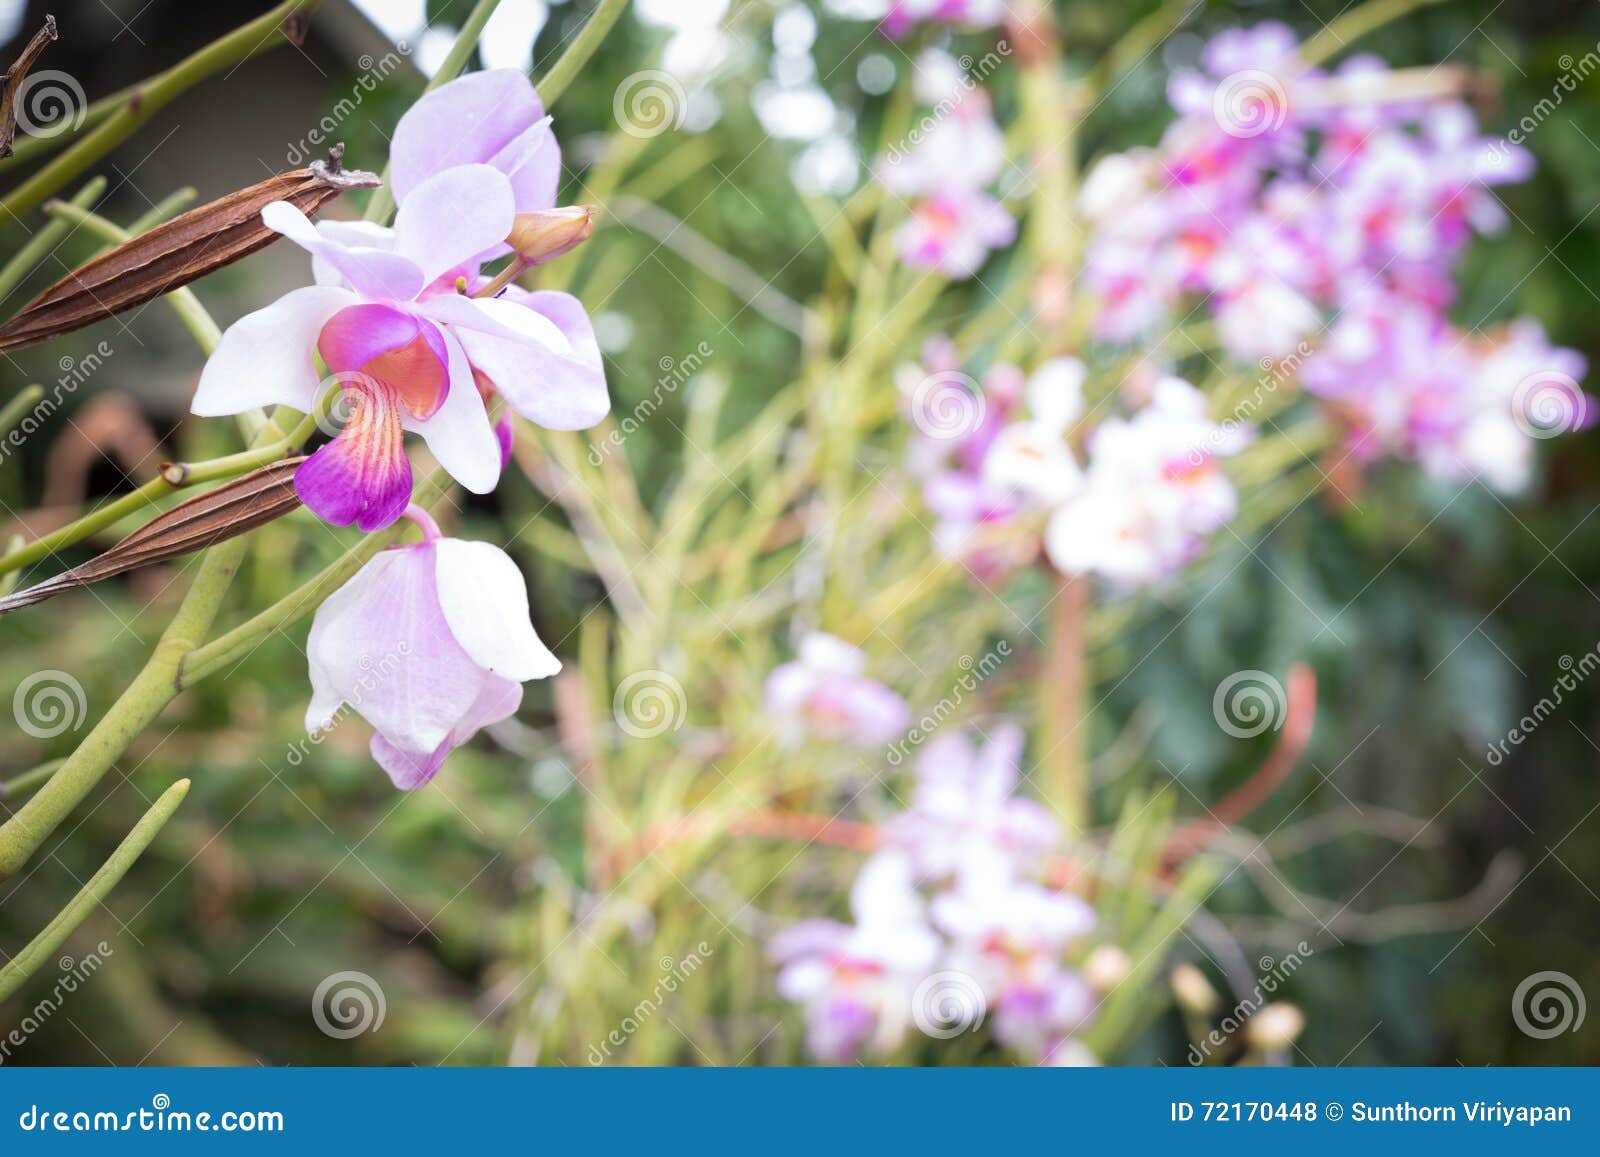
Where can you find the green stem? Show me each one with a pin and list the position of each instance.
(381, 205)
(13, 410)
(169, 206)
(148, 99)
(42, 243)
(173, 477)
(583, 46)
(30, 779)
(43, 946)
(1353, 25)
(27, 148)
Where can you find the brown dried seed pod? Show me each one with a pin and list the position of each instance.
(219, 514)
(173, 254)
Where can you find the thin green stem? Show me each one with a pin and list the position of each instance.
(169, 206)
(381, 206)
(41, 244)
(570, 63)
(1353, 25)
(149, 98)
(43, 946)
(11, 413)
(19, 785)
(173, 477)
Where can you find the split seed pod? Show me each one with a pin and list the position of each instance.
(173, 254)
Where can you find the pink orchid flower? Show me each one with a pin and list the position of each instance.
(409, 349)
(492, 118)
(826, 695)
(429, 642)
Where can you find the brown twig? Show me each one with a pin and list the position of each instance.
(1300, 715)
(11, 82)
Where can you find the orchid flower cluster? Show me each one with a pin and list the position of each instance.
(951, 162)
(1319, 218)
(1134, 508)
(420, 339)
(954, 919)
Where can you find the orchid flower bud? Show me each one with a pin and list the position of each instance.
(543, 234)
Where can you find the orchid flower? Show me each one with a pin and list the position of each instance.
(492, 118)
(1031, 458)
(410, 351)
(429, 643)
(825, 694)
(856, 982)
(964, 800)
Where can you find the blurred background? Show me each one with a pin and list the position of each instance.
(1435, 619)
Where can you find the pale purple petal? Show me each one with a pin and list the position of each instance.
(371, 272)
(266, 357)
(498, 699)
(382, 645)
(468, 121)
(452, 217)
(485, 601)
(528, 356)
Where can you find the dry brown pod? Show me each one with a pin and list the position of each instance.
(173, 254)
(219, 514)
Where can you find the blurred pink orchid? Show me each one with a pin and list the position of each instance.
(826, 695)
